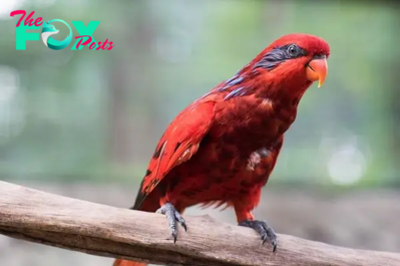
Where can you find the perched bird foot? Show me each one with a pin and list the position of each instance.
(173, 216)
(264, 230)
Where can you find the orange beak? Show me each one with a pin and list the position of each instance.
(317, 69)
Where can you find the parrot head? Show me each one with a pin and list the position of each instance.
(293, 60)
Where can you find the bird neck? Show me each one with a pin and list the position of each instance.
(287, 95)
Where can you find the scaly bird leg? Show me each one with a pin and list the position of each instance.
(264, 230)
(173, 216)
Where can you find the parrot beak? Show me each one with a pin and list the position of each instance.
(317, 69)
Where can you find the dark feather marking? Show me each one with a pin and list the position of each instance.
(157, 153)
(236, 92)
(139, 200)
(154, 181)
(148, 172)
(162, 187)
(174, 181)
(278, 55)
(206, 140)
(140, 196)
(177, 146)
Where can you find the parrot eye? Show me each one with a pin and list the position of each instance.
(293, 50)
(280, 54)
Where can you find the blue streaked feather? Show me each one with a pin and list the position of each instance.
(236, 92)
(235, 80)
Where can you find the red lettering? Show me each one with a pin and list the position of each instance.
(28, 20)
(92, 46)
(89, 40)
(18, 12)
(38, 22)
(99, 47)
(105, 46)
(111, 46)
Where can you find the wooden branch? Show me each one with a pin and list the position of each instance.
(113, 232)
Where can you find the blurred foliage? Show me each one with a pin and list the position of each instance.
(97, 115)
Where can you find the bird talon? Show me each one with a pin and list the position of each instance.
(264, 230)
(274, 245)
(173, 216)
(264, 239)
(174, 235)
(183, 223)
(180, 219)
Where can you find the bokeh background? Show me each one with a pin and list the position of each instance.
(85, 123)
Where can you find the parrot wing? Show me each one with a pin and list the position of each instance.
(178, 144)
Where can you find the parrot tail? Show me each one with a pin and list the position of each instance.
(120, 262)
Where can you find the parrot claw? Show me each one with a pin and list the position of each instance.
(264, 230)
(173, 216)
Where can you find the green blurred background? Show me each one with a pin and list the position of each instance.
(90, 120)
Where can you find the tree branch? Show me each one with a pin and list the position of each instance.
(113, 232)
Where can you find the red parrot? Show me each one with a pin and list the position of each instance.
(222, 148)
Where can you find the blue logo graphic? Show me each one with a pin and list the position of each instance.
(49, 30)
